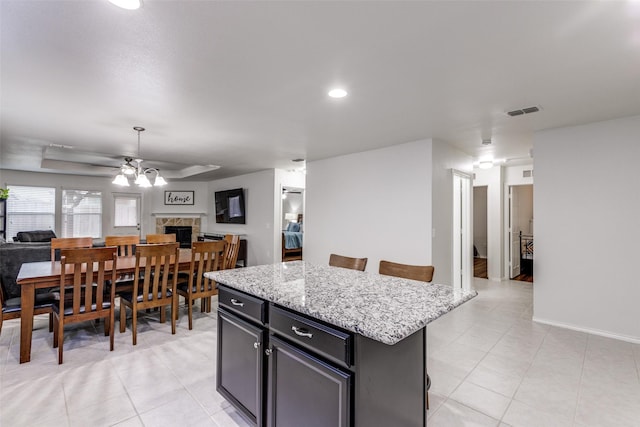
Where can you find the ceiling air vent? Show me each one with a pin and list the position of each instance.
(522, 111)
(527, 173)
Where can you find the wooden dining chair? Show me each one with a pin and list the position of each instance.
(161, 238)
(347, 262)
(126, 244)
(154, 284)
(85, 296)
(205, 256)
(69, 243)
(231, 254)
(422, 273)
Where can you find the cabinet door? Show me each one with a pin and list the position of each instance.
(305, 391)
(240, 373)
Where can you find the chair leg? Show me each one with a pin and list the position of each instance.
(112, 321)
(190, 313)
(174, 309)
(60, 340)
(123, 317)
(107, 325)
(55, 332)
(134, 324)
(50, 323)
(163, 315)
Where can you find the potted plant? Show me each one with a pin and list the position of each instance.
(4, 193)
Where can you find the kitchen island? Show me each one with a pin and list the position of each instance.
(303, 344)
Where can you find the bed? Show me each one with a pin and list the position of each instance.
(292, 242)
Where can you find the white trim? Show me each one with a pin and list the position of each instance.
(634, 340)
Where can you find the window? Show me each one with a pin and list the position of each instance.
(30, 208)
(126, 211)
(81, 213)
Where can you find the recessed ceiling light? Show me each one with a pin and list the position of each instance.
(337, 93)
(127, 4)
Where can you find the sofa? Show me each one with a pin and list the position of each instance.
(40, 236)
(12, 255)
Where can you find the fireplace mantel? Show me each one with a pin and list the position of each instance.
(178, 215)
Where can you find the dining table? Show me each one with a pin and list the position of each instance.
(46, 274)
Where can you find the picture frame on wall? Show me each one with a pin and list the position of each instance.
(179, 198)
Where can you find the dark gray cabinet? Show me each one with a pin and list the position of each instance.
(242, 338)
(284, 369)
(304, 390)
(240, 369)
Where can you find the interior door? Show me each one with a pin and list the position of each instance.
(127, 213)
(514, 233)
(462, 239)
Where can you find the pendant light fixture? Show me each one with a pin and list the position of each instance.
(137, 172)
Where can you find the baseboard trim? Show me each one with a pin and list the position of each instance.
(633, 340)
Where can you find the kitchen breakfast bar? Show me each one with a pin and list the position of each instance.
(309, 345)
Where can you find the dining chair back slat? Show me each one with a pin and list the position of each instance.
(161, 238)
(205, 256)
(86, 292)
(126, 244)
(60, 243)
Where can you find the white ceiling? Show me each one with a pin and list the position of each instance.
(243, 84)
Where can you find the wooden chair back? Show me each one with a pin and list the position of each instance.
(205, 256)
(125, 244)
(83, 290)
(423, 273)
(154, 284)
(161, 238)
(69, 243)
(347, 262)
(157, 278)
(231, 253)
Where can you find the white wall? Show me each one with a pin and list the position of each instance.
(262, 204)
(586, 208)
(202, 203)
(152, 198)
(480, 220)
(374, 204)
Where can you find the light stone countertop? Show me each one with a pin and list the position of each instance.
(384, 308)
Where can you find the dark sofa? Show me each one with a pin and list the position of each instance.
(12, 255)
(35, 236)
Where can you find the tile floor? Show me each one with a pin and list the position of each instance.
(489, 364)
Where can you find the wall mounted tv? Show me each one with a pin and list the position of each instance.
(230, 206)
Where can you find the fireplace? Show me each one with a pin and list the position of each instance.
(182, 232)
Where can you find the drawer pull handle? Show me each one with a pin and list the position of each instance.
(256, 345)
(236, 302)
(302, 332)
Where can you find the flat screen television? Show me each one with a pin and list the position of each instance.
(230, 206)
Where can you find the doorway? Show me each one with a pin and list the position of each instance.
(520, 233)
(480, 245)
(292, 223)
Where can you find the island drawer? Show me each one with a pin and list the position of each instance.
(243, 304)
(332, 343)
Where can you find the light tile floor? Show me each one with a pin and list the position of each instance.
(489, 364)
